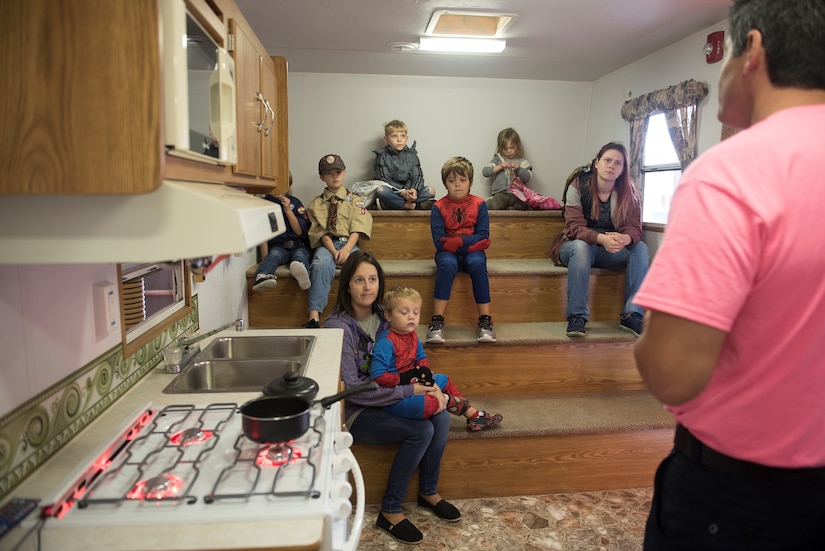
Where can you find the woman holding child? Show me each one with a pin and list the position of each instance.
(358, 312)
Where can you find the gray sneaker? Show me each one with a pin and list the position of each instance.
(435, 333)
(264, 281)
(486, 333)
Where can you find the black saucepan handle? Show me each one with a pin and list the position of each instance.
(363, 387)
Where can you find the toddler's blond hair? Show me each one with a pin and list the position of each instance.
(397, 294)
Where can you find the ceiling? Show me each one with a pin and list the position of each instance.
(568, 40)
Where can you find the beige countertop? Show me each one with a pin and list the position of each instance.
(323, 367)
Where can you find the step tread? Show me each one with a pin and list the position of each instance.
(527, 333)
(493, 213)
(495, 266)
(567, 414)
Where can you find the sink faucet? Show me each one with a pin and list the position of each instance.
(187, 340)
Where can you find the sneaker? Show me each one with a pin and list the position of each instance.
(575, 326)
(486, 333)
(299, 272)
(632, 323)
(435, 333)
(425, 205)
(264, 281)
(312, 324)
(483, 421)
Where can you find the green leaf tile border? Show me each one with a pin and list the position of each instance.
(35, 431)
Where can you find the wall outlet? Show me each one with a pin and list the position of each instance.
(106, 308)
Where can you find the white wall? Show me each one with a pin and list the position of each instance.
(345, 114)
(681, 61)
(47, 325)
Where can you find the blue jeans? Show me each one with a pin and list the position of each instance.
(579, 256)
(448, 265)
(697, 507)
(278, 256)
(321, 273)
(421, 443)
(390, 200)
(413, 407)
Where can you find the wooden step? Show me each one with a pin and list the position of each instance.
(405, 235)
(546, 444)
(527, 290)
(536, 358)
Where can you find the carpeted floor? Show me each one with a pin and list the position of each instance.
(592, 521)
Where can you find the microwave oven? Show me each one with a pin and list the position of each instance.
(198, 90)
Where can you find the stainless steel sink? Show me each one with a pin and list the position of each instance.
(258, 347)
(231, 375)
(243, 364)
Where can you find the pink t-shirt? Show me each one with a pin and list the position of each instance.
(744, 252)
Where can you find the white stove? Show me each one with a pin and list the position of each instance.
(184, 466)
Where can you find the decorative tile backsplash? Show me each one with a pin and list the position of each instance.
(35, 431)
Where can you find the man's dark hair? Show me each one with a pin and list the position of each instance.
(793, 34)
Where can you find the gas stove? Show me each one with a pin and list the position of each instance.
(187, 465)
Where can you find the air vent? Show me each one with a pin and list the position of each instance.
(402, 46)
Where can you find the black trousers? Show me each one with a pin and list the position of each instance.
(698, 508)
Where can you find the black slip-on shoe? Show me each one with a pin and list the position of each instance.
(405, 531)
(443, 509)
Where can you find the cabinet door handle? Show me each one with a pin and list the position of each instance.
(272, 111)
(260, 98)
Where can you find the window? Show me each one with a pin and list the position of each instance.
(661, 171)
(153, 296)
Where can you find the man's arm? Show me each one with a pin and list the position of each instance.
(676, 357)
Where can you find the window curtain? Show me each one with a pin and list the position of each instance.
(680, 104)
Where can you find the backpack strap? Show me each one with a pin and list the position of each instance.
(577, 172)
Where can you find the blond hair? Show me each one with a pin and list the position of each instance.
(394, 125)
(399, 293)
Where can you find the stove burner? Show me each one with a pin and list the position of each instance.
(277, 455)
(190, 436)
(158, 487)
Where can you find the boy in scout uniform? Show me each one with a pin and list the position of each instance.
(337, 219)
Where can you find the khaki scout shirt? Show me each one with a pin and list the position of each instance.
(353, 216)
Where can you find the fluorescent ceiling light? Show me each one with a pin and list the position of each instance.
(461, 45)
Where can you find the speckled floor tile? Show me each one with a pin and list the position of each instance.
(611, 520)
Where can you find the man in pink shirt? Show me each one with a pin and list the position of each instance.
(734, 335)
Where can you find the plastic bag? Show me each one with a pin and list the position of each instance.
(367, 189)
(533, 199)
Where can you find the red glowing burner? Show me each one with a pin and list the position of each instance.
(159, 487)
(277, 455)
(188, 437)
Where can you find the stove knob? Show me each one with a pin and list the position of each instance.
(341, 464)
(341, 489)
(341, 509)
(343, 440)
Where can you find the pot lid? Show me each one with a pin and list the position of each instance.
(292, 385)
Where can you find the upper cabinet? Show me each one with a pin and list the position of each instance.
(81, 108)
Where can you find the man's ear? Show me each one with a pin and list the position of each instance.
(754, 51)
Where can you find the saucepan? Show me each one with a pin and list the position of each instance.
(272, 419)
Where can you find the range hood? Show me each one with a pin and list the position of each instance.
(179, 220)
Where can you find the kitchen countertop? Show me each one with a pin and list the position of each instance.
(323, 366)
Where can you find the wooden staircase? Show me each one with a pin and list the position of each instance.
(576, 413)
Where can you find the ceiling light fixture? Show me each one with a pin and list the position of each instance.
(461, 44)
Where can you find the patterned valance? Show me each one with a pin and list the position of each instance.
(684, 94)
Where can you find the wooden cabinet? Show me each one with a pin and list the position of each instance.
(256, 92)
(81, 103)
